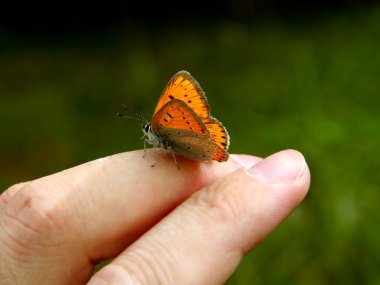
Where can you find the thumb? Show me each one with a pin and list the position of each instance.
(203, 240)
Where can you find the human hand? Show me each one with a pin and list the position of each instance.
(160, 228)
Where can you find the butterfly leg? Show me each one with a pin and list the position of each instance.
(154, 153)
(144, 149)
(154, 157)
(175, 160)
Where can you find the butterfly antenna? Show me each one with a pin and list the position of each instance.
(135, 116)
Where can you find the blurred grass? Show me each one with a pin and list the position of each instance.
(311, 85)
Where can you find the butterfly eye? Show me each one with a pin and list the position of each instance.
(146, 128)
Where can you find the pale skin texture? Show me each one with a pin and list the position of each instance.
(163, 225)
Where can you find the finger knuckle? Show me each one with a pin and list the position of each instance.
(220, 206)
(32, 217)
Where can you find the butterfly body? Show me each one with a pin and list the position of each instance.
(182, 123)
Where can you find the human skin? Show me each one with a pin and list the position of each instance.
(160, 224)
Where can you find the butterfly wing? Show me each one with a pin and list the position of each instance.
(218, 133)
(178, 116)
(184, 87)
(182, 121)
(189, 145)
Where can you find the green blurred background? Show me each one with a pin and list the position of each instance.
(277, 74)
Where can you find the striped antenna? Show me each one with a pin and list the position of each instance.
(133, 116)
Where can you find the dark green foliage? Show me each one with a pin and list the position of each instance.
(313, 86)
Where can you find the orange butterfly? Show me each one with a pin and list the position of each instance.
(182, 123)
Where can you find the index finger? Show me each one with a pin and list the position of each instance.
(116, 198)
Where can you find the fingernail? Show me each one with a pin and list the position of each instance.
(282, 167)
(247, 161)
